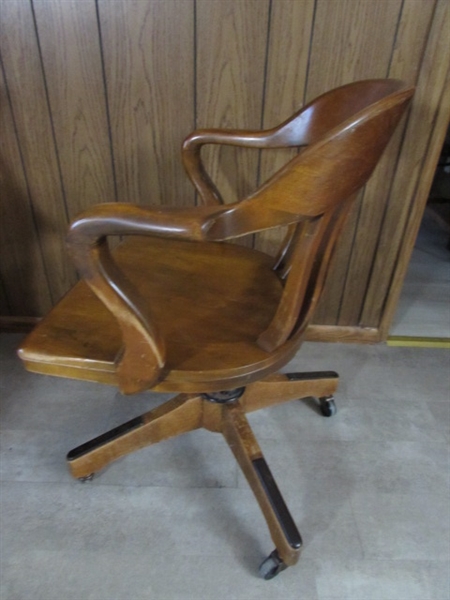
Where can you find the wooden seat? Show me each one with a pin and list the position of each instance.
(177, 308)
(212, 294)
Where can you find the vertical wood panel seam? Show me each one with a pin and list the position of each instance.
(397, 27)
(266, 64)
(411, 224)
(425, 39)
(263, 100)
(347, 270)
(196, 201)
(412, 201)
(25, 176)
(49, 108)
(384, 215)
(195, 65)
(399, 154)
(105, 91)
(2, 285)
(383, 219)
(311, 38)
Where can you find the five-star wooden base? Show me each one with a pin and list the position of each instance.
(186, 412)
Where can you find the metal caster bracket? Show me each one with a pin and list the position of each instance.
(328, 406)
(272, 566)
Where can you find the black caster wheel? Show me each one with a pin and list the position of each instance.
(327, 406)
(86, 478)
(273, 565)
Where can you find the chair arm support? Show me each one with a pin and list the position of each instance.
(130, 219)
(193, 164)
(142, 360)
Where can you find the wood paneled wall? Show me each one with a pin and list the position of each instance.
(96, 97)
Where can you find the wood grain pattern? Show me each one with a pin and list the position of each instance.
(174, 417)
(195, 333)
(232, 63)
(190, 312)
(22, 66)
(432, 81)
(24, 280)
(188, 412)
(405, 64)
(70, 49)
(287, 61)
(337, 333)
(327, 313)
(346, 47)
(231, 44)
(149, 64)
(346, 42)
(437, 139)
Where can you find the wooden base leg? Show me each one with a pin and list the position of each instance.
(240, 438)
(179, 415)
(282, 387)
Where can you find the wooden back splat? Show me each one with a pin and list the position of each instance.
(344, 133)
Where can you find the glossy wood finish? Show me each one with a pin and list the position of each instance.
(239, 436)
(343, 49)
(285, 88)
(346, 131)
(233, 35)
(314, 188)
(371, 218)
(188, 412)
(202, 300)
(179, 415)
(176, 307)
(221, 63)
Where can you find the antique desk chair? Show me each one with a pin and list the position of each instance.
(175, 308)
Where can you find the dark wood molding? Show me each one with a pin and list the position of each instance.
(338, 333)
(18, 324)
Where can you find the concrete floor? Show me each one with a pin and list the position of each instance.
(424, 308)
(368, 489)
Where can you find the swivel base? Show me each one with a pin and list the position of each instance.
(224, 413)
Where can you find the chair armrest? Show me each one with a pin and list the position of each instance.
(130, 219)
(193, 164)
(141, 363)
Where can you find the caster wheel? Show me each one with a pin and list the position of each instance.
(86, 478)
(273, 565)
(328, 406)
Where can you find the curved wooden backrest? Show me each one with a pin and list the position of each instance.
(315, 189)
(303, 128)
(334, 167)
(331, 109)
(345, 132)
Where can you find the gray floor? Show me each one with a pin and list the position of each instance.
(368, 488)
(424, 306)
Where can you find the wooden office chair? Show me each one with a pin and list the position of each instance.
(180, 310)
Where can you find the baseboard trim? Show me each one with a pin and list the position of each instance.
(18, 324)
(339, 333)
(314, 333)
